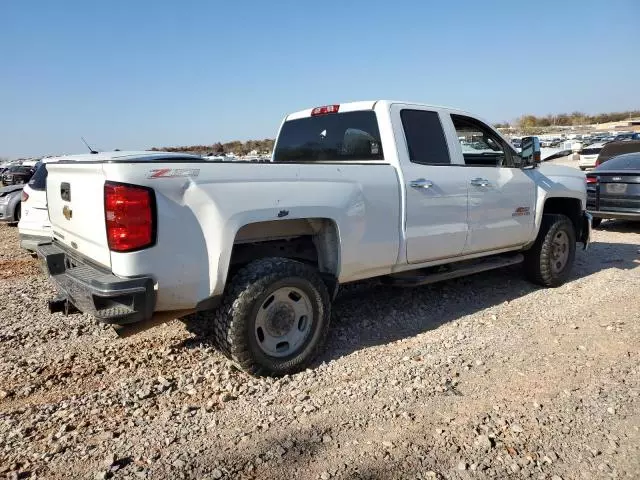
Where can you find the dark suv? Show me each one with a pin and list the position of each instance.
(16, 175)
(613, 149)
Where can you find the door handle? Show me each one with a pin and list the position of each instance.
(421, 183)
(480, 182)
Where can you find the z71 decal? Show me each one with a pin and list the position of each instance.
(173, 172)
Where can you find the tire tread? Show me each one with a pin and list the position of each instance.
(229, 322)
(537, 263)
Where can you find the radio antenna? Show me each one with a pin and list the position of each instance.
(91, 150)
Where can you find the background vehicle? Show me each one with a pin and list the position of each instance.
(627, 136)
(613, 149)
(354, 191)
(34, 226)
(10, 210)
(589, 155)
(16, 175)
(613, 189)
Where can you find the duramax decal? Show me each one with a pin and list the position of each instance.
(521, 212)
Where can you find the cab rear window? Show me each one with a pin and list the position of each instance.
(350, 136)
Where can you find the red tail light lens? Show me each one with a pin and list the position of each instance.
(129, 212)
(327, 109)
(25, 196)
(592, 180)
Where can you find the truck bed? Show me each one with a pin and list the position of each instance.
(201, 207)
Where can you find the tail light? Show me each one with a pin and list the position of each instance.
(25, 196)
(327, 109)
(129, 212)
(591, 180)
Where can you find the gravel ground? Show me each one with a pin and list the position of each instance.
(481, 377)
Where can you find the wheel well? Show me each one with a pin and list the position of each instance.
(571, 207)
(313, 241)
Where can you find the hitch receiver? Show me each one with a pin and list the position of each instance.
(63, 305)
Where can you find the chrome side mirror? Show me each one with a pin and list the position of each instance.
(530, 153)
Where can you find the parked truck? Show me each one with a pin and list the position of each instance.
(407, 193)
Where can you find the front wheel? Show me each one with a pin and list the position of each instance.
(274, 318)
(549, 261)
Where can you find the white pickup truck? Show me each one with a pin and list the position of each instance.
(408, 193)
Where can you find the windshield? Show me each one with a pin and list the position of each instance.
(339, 137)
(629, 161)
(19, 169)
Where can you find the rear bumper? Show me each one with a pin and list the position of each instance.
(109, 298)
(31, 242)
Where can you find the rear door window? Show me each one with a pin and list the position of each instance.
(350, 136)
(425, 138)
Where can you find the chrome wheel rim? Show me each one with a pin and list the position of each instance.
(283, 321)
(559, 251)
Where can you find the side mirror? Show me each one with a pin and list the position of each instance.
(530, 151)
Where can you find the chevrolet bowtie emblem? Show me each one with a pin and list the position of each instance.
(67, 212)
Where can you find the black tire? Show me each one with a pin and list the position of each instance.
(596, 222)
(538, 263)
(17, 213)
(235, 320)
(583, 168)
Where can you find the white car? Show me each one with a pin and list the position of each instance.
(354, 191)
(589, 155)
(34, 226)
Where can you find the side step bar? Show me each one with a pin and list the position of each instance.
(415, 278)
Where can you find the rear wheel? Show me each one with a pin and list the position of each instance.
(549, 261)
(274, 318)
(17, 214)
(595, 223)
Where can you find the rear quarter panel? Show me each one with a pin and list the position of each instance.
(200, 215)
(35, 216)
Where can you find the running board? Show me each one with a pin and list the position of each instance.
(415, 278)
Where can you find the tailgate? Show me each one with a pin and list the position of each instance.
(75, 198)
(618, 192)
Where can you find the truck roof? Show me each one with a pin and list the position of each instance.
(370, 105)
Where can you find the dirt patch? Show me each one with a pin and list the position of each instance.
(485, 377)
(19, 268)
